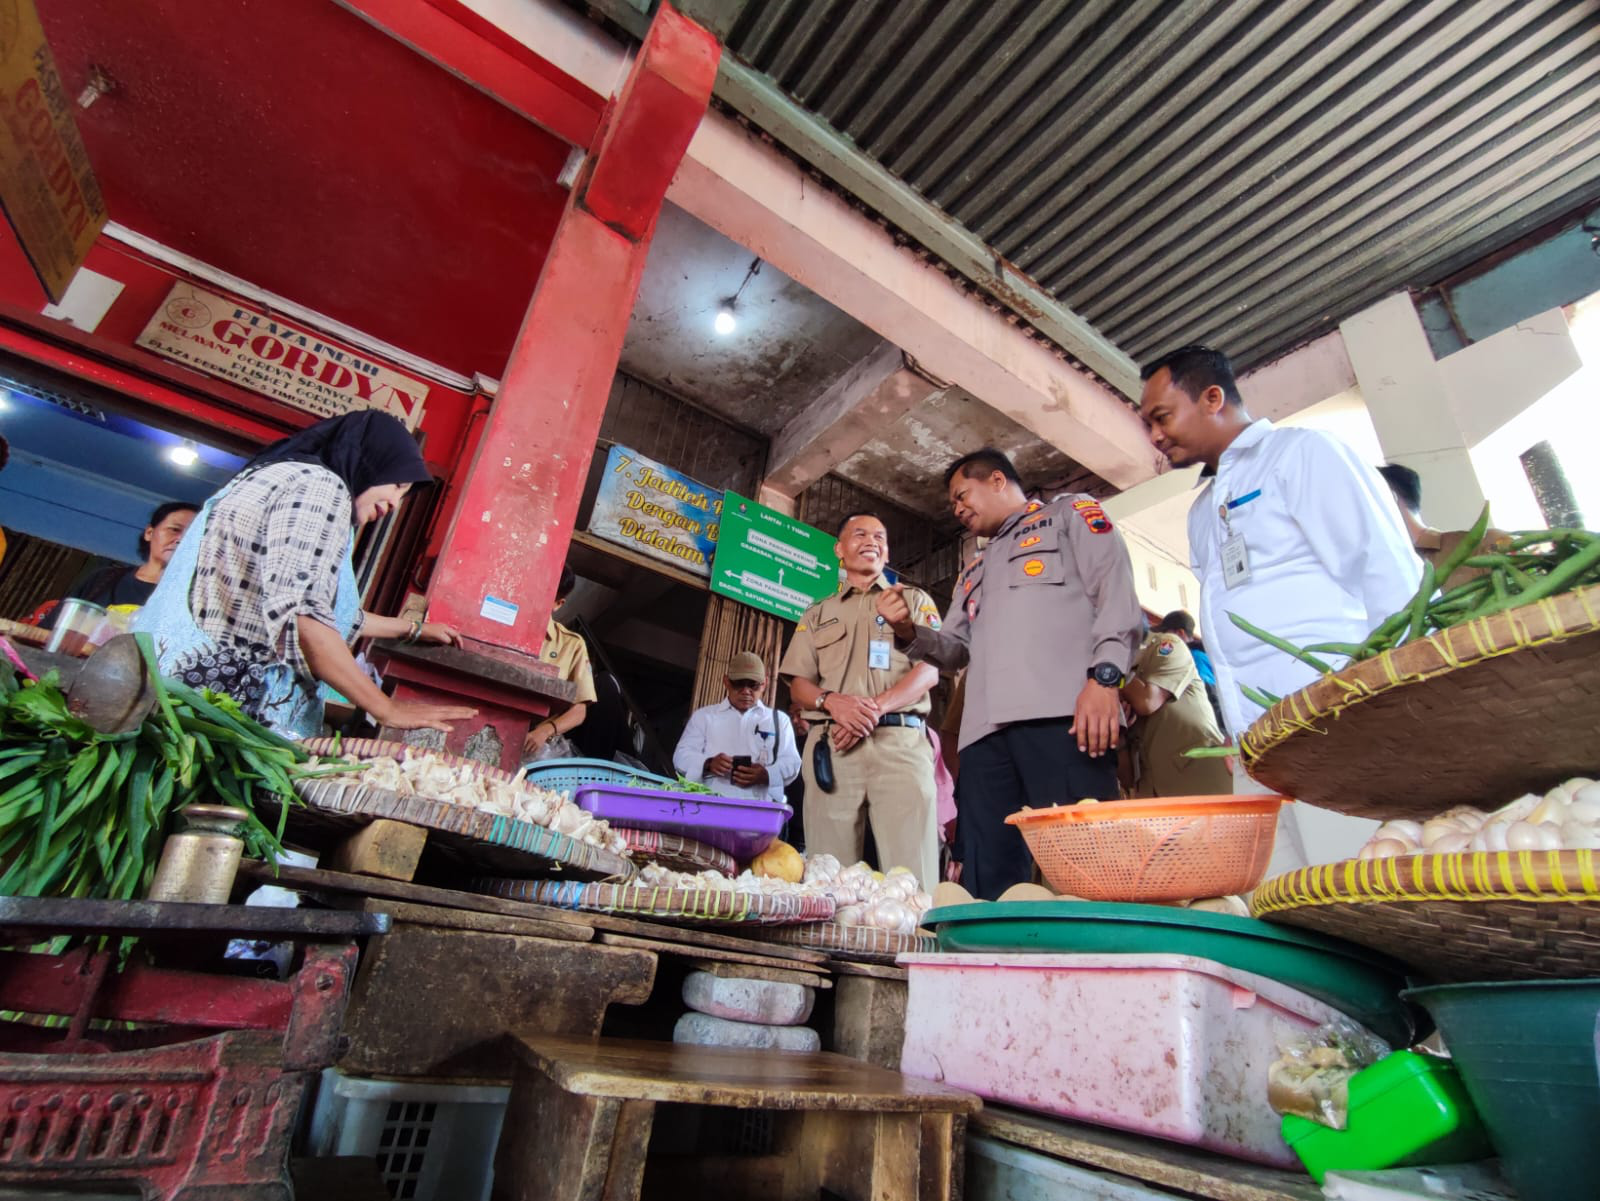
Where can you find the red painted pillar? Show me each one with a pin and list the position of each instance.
(500, 561)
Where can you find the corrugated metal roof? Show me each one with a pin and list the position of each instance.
(1238, 172)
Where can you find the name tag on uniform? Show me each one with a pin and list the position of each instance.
(878, 654)
(1235, 562)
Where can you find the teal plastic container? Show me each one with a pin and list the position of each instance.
(1352, 979)
(1406, 1110)
(1526, 1052)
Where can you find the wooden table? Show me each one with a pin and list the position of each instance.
(579, 1121)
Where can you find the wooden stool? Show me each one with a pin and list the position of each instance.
(578, 1124)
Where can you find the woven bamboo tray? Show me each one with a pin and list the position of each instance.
(1476, 714)
(482, 841)
(26, 634)
(678, 853)
(1472, 916)
(380, 748)
(854, 942)
(700, 906)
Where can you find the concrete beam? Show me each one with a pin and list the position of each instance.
(1307, 375)
(866, 400)
(750, 191)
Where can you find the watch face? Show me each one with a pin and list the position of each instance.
(1107, 674)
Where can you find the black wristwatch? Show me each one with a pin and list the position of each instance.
(1107, 674)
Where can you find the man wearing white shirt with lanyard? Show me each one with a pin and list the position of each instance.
(1290, 530)
(740, 747)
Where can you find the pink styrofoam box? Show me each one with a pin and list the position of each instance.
(1166, 1045)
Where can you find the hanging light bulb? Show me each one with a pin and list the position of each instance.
(184, 454)
(726, 321)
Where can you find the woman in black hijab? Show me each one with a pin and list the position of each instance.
(260, 600)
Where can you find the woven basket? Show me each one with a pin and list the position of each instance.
(1466, 917)
(853, 942)
(707, 906)
(1158, 849)
(679, 854)
(1476, 714)
(484, 841)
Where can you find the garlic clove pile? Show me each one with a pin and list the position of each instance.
(1565, 818)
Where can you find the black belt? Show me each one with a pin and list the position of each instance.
(910, 720)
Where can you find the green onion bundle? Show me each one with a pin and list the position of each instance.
(83, 814)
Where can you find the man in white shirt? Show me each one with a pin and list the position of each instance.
(740, 747)
(1290, 529)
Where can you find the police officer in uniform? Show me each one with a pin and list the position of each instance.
(1045, 619)
(866, 703)
(1175, 715)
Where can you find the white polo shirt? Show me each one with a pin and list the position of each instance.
(1329, 557)
(720, 729)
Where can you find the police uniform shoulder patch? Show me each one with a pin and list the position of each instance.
(1093, 516)
(1165, 648)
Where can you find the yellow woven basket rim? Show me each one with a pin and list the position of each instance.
(1552, 620)
(1537, 876)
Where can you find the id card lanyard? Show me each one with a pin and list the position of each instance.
(1235, 555)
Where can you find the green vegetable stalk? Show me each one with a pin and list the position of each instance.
(82, 814)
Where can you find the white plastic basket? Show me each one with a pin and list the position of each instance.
(433, 1142)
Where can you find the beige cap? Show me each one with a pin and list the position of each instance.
(747, 665)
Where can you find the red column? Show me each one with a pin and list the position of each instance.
(497, 570)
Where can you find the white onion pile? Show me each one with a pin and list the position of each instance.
(424, 774)
(885, 900)
(1567, 818)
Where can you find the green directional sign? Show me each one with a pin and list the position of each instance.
(771, 562)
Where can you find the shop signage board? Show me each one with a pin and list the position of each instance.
(47, 188)
(772, 562)
(276, 358)
(650, 508)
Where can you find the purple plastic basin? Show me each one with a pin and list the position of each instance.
(743, 828)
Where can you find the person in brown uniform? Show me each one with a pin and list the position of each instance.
(866, 702)
(1166, 692)
(1045, 619)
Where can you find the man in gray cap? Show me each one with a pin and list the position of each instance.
(740, 747)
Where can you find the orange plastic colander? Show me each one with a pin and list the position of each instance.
(1167, 849)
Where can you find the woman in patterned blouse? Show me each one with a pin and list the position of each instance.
(260, 600)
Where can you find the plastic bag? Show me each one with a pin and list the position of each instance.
(558, 747)
(1311, 1077)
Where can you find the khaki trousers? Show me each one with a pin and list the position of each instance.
(887, 779)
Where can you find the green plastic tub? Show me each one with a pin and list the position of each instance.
(1406, 1110)
(1526, 1052)
(1352, 979)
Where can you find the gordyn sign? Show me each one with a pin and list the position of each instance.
(269, 355)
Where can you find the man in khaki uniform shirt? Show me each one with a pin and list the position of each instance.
(1175, 714)
(570, 657)
(1045, 620)
(870, 701)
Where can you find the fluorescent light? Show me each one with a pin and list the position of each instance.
(725, 322)
(184, 455)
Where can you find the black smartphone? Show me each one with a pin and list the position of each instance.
(741, 760)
